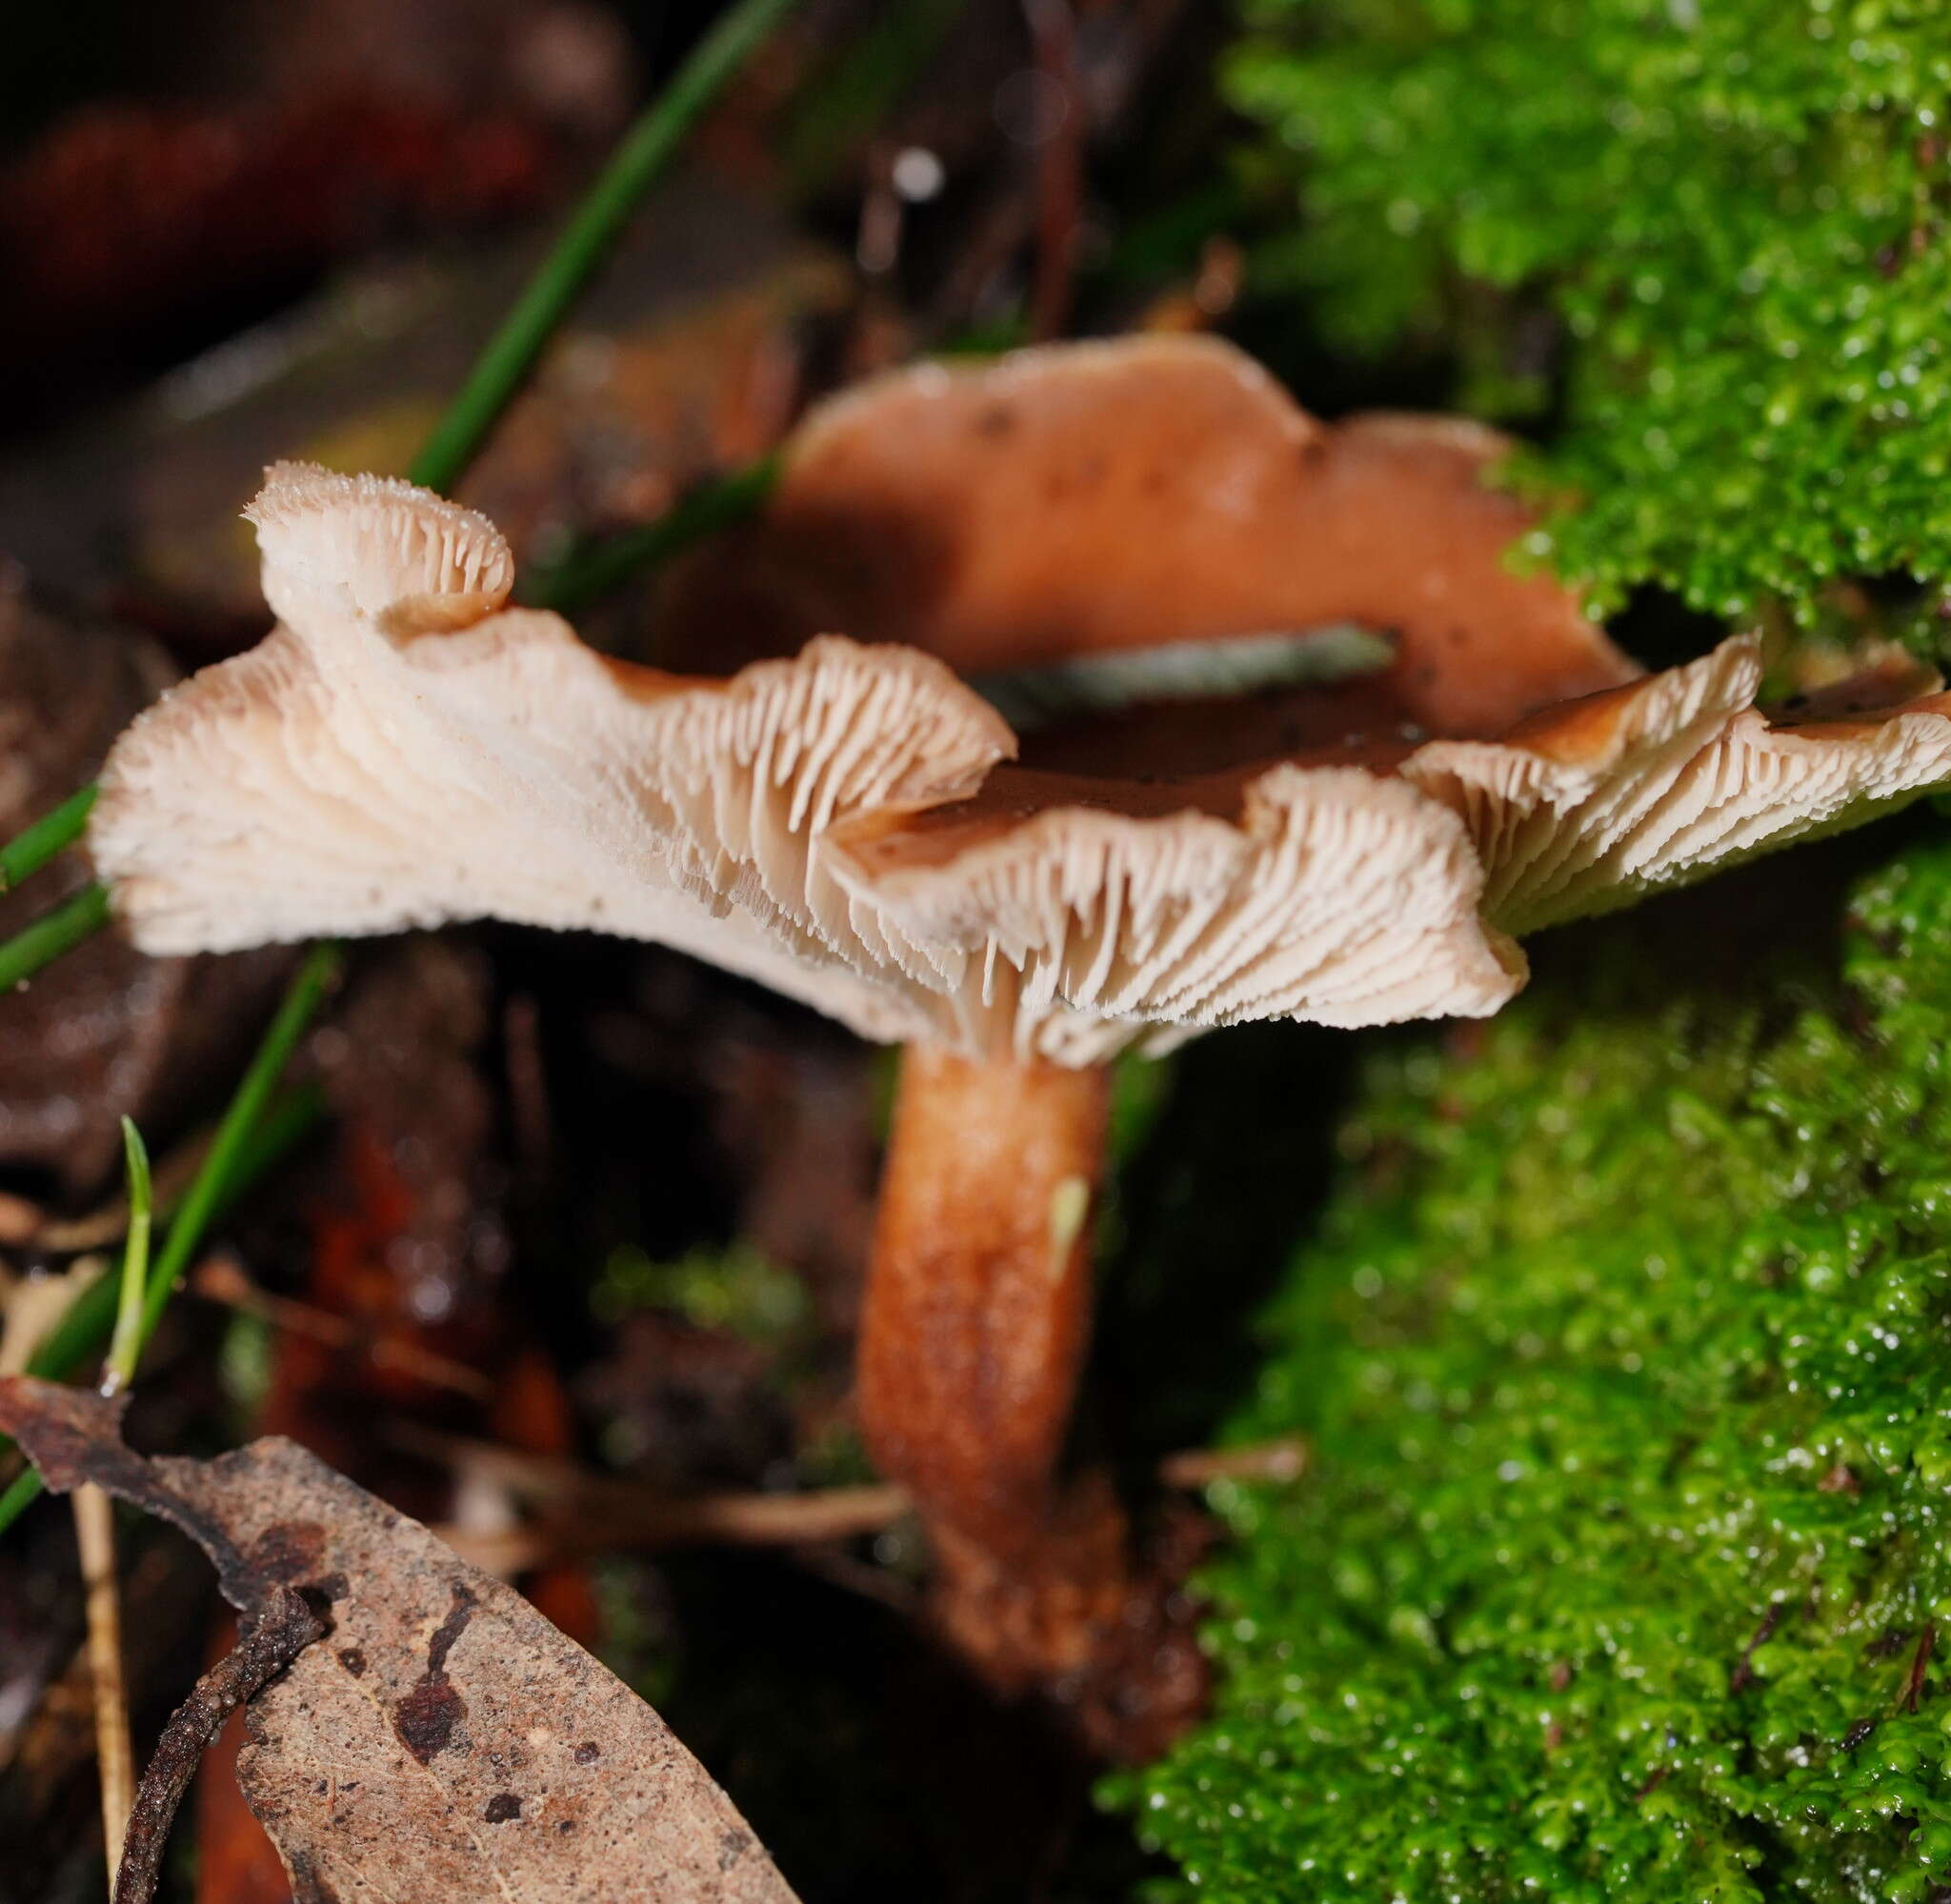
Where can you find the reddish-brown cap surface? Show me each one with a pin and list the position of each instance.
(1142, 494)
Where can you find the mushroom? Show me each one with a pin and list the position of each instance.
(845, 824)
(1137, 496)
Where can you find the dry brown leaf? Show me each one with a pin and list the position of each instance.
(443, 1740)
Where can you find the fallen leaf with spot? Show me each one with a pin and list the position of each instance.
(442, 1740)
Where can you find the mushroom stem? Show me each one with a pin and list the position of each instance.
(979, 1297)
(977, 1317)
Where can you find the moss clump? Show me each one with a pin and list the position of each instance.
(1717, 225)
(1622, 1574)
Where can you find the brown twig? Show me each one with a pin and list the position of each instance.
(19, 1219)
(284, 1627)
(609, 1518)
(1282, 1460)
(1059, 168)
(872, 1582)
(222, 1279)
(1919, 1665)
(528, 1086)
(584, 1513)
(94, 1534)
(1743, 1668)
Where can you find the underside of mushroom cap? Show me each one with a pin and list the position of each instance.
(1328, 887)
(1095, 915)
(377, 550)
(843, 825)
(508, 772)
(350, 776)
(1145, 493)
(1586, 808)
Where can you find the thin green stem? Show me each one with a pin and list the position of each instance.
(207, 1191)
(27, 852)
(592, 569)
(84, 1325)
(511, 354)
(309, 984)
(22, 1492)
(125, 1345)
(80, 916)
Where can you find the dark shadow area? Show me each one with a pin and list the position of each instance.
(1212, 1208)
(869, 1765)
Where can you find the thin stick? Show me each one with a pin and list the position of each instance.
(658, 1521)
(586, 1513)
(1059, 170)
(284, 1630)
(1919, 1666)
(94, 1534)
(220, 1279)
(1282, 1460)
(27, 852)
(647, 148)
(94, 1531)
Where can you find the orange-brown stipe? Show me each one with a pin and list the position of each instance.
(1059, 504)
(978, 1298)
(978, 1318)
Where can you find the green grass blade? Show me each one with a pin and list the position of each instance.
(27, 852)
(302, 998)
(84, 1325)
(647, 148)
(307, 991)
(60, 929)
(593, 570)
(124, 1347)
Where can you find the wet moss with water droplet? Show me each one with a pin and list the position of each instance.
(1622, 1570)
(1708, 237)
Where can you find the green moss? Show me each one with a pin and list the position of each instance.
(1713, 229)
(734, 1288)
(1626, 1348)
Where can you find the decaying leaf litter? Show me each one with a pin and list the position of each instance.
(475, 1116)
(492, 1753)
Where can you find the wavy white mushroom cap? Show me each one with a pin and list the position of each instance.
(353, 775)
(1585, 808)
(840, 826)
(1093, 915)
